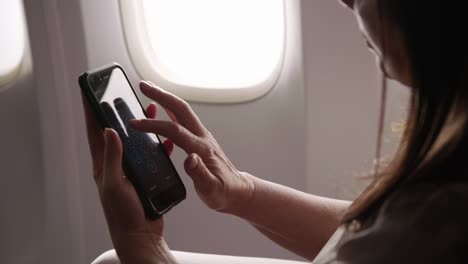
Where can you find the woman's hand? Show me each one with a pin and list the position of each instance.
(218, 183)
(136, 239)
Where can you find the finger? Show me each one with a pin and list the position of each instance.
(169, 146)
(113, 173)
(152, 111)
(171, 115)
(93, 128)
(203, 179)
(181, 109)
(173, 131)
(94, 132)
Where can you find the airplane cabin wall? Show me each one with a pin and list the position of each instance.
(22, 200)
(311, 132)
(343, 89)
(342, 99)
(263, 137)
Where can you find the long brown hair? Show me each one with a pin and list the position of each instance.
(434, 144)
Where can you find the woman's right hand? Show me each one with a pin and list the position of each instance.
(218, 183)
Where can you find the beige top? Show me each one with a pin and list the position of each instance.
(419, 223)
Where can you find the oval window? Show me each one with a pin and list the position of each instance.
(207, 50)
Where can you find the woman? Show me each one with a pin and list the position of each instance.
(412, 212)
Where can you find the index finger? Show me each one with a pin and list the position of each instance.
(173, 131)
(181, 109)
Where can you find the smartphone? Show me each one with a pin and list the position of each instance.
(145, 161)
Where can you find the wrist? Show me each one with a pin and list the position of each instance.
(243, 197)
(142, 249)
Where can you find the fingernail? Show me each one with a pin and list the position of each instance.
(150, 83)
(146, 85)
(193, 162)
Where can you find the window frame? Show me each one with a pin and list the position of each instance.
(12, 73)
(139, 48)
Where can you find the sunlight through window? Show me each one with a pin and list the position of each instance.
(208, 50)
(12, 30)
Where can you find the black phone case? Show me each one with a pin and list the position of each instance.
(150, 212)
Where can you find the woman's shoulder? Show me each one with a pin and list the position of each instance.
(427, 198)
(418, 222)
(438, 210)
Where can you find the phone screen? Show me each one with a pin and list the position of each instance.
(145, 155)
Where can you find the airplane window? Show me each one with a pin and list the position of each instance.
(12, 30)
(207, 50)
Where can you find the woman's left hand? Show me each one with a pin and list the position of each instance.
(136, 239)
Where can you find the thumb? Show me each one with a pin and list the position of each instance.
(113, 174)
(203, 179)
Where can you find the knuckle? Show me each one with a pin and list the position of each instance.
(175, 129)
(207, 149)
(185, 108)
(208, 134)
(109, 188)
(205, 133)
(211, 146)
